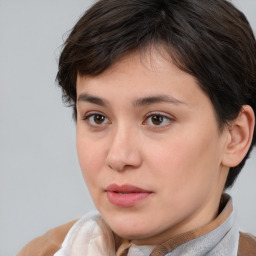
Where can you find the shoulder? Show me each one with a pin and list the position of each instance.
(47, 244)
(247, 245)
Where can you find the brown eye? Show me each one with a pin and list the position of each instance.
(157, 119)
(98, 119)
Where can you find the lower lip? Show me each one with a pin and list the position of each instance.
(126, 200)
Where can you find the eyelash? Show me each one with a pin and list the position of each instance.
(147, 118)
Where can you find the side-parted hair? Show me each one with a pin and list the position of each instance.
(209, 39)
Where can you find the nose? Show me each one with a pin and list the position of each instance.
(123, 152)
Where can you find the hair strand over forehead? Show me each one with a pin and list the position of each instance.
(209, 39)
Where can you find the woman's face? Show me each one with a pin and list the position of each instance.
(149, 147)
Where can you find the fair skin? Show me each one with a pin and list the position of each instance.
(150, 149)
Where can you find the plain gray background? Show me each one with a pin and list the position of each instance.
(40, 181)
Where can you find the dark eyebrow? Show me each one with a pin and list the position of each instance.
(157, 99)
(92, 99)
(137, 103)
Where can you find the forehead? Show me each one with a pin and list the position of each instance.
(147, 73)
(151, 65)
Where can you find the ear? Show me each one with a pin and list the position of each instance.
(240, 133)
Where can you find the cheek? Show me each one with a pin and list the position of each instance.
(90, 156)
(185, 161)
(185, 171)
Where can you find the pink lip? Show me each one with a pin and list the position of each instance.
(126, 195)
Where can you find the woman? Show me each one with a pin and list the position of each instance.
(163, 94)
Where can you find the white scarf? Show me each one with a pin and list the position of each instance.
(90, 236)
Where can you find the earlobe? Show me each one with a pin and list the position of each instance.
(240, 137)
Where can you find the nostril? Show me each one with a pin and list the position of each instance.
(116, 166)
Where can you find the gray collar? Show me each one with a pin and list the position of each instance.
(222, 241)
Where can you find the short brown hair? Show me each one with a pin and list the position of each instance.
(209, 39)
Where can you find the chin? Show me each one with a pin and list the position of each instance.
(129, 224)
(130, 231)
(131, 234)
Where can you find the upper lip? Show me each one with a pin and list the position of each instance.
(126, 188)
